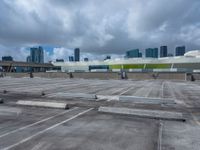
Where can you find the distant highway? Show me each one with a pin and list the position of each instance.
(25, 64)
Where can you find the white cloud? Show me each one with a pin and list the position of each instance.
(60, 53)
(18, 54)
(96, 26)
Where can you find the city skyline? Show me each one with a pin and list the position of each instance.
(61, 26)
(81, 55)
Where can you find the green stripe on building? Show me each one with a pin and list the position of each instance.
(127, 66)
(134, 66)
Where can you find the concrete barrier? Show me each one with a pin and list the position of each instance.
(96, 75)
(154, 75)
(9, 111)
(104, 75)
(39, 74)
(1, 101)
(43, 104)
(196, 76)
(72, 95)
(146, 100)
(136, 99)
(154, 114)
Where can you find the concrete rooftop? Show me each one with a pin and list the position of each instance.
(83, 127)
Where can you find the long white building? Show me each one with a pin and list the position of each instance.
(190, 62)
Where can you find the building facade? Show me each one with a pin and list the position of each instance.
(76, 54)
(28, 59)
(86, 59)
(71, 58)
(151, 53)
(7, 58)
(59, 60)
(140, 55)
(168, 64)
(107, 58)
(37, 55)
(163, 51)
(133, 53)
(180, 51)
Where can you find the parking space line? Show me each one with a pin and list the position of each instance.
(47, 129)
(116, 91)
(30, 125)
(130, 88)
(163, 84)
(195, 119)
(160, 132)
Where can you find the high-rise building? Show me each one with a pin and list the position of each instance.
(28, 59)
(86, 59)
(132, 53)
(76, 54)
(7, 68)
(59, 60)
(152, 52)
(180, 51)
(140, 54)
(7, 58)
(71, 58)
(163, 51)
(107, 57)
(37, 55)
(170, 55)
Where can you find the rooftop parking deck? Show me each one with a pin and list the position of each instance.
(83, 127)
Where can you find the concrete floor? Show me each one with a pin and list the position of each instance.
(83, 127)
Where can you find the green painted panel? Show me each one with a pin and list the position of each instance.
(127, 66)
(115, 66)
(158, 66)
(133, 66)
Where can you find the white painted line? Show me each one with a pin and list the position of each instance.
(112, 97)
(30, 125)
(181, 102)
(160, 130)
(163, 89)
(126, 90)
(116, 91)
(45, 130)
(195, 119)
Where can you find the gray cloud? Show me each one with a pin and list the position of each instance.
(100, 27)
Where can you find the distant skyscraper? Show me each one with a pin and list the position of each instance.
(59, 60)
(28, 59)
(37, 55)
(7, 58)
(152, 53)
(71, 58)
(86, 59)
(140, 54)
(107, 57)
(133, 53)
(163, 51)
(76, 54)
(170, 55)
(180, 51)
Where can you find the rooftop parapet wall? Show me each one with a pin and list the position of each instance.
(104, 75)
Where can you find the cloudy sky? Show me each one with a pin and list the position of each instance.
(97, 27)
